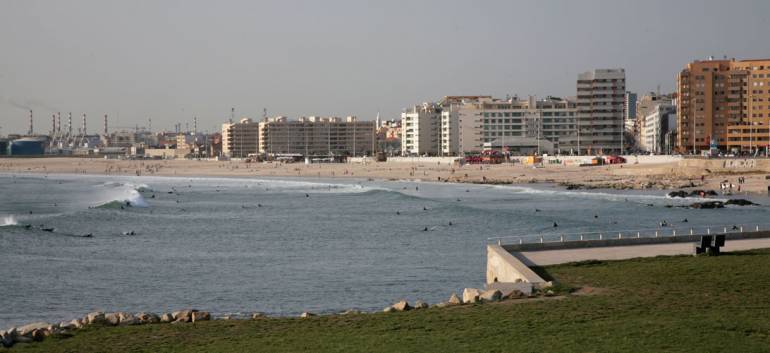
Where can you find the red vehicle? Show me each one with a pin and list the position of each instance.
(485, 157)
(615, 160)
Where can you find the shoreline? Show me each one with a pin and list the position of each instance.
(660, 176)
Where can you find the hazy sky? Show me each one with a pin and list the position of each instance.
(172, 60)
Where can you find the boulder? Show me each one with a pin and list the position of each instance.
(147, 318)
(77, 323)
(470, 295)
(402, 305)
(442, 305)
(38, 335)
(454, 299)
(257, 316)
(708, 205)
(6, 340)
(166, 317)
(96, 317)
(507, 289)
(127, 319)
(183, 315)
(680, 193)
(739, 202)
(200, 316)
(421, 305)
(112, 319)
(388, 310)
(27, 330)
(491, 295)
(307, 315)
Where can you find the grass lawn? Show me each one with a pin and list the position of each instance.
(662, 304)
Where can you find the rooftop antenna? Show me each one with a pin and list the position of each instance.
(31, 130)
(264, 114)
(232, 115)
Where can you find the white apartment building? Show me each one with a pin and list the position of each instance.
(658, 121)
(240, 139)
(317, 136)
(420, 129)
(515, 125)
(600, 112)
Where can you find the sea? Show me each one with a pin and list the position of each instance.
(73, 244)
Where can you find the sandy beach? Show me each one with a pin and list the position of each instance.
(662, 176)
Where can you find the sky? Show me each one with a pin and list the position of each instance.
(173, 60)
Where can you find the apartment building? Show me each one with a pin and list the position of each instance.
(723, 104)
(600, 113)
(317, 136)
(420, 128)
(513, 124)
(657, 122)
(240, 139)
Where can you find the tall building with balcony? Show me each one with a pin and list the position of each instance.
(317, 136)
(420, 129)
(240, 139)
(657, 122)
(723, 104)
(600, 112)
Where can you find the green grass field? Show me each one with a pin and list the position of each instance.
(663, 304)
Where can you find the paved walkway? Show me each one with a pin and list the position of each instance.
(552, 257)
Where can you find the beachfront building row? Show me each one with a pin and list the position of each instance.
(725, 105)
(317, 136)
(593, 122)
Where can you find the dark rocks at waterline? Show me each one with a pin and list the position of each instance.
(708, 205)
(720, 204)
(694, 193)
(740, 202)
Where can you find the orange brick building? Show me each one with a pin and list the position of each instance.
(724, 101)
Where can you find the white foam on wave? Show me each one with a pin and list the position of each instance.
(123, 192)
(8, 221)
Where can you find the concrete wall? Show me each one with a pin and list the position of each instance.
(504, 267)
(726, 164)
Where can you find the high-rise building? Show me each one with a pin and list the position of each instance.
(420, 127)
(600, 112)
(723, 104)
(317, 136)
(240, 139)
(630, 107)
(657, 122)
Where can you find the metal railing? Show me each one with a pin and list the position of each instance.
(662, 232)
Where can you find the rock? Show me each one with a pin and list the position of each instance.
(96, 317)
(147, 318)
(307, 315)
(680, 193)
(112, 319)
(491, 295)
(127, 319)
(708, 205)
(6, 341)
(258, 316)
(507, 288)
(183, 315)
(27, 330)
(421, 305)
(200, 316)
(454, 299)
(470, 295)
(39, 334)
(739, 202)
(549, 293)
(67, 325)
(388, 310)
(22, 339)
(402, 305)
(442, 305)
(166, 317)
(78, 323)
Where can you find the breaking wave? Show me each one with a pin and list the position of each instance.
(9, 221)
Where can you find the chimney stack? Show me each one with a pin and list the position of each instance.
(58, 122)
(69, 126)
(31, 130)
(84, 124)
(53, 124)
(105, 124)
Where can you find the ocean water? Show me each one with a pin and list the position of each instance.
(279, 246)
